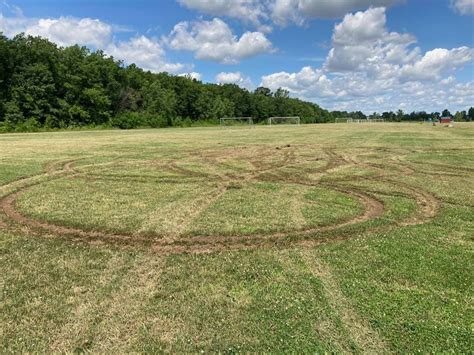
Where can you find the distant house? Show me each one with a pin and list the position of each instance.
(446, 120)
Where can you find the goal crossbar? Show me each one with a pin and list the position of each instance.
(296, 120)
(343, 120)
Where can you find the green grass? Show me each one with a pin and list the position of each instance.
(97, 204)
(395, 282)
(11, 171)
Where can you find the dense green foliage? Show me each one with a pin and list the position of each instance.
(42, 85)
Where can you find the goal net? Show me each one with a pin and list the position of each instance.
(344, 120)
(284, 121)
(364, 120)
(236, 121)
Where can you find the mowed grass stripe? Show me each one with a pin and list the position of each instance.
(366, 339)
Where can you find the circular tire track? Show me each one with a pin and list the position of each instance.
(374, 208)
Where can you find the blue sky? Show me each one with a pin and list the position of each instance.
(371, 55)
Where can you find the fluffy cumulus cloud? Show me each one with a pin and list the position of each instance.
(361, 42)
(285, 11)
(464, 7)
(282, 12)
(436, 62)
(64, 31)
(302, 83)
(246, 10)
(235, 78)
(214, 40)
(146, 52)
(373, 68)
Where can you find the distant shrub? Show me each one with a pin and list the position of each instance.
(127, 120)
(188, 122)
(181, 122)
(53, 122)
(30, 125)
(206, 122)
(155, 121)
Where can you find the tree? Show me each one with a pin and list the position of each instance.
(6, 69)
(160, 101)
(358, 115)
(97, 102)
(263, 91)
(388, 116)
(375, 116)
(204, 103)
(42, 85)
(13, 114)
(470, 114)
(460, 116)
(222, 107)
(400, 115)
(282, 94)
(262, 107)
(446, 113)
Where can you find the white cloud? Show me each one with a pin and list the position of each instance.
(64, 31)
(361, 27)
(361, 42)
(192, 75)
(464, 7)
(281, 12)
(246, 10)
(354, 92)
(437, 61)
(301, 83)
(370, 68)
(214, 40)
(235, 78)
(336, 9)
(145, 52)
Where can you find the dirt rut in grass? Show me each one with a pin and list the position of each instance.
(373, 208)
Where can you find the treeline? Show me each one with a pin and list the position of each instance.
(45, 86)
(400, 116)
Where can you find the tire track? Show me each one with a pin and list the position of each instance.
(373, 209)
(428, 207)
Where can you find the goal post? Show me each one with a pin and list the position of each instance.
(236, 121)
(293, 120)
(359, 120)
(343, 120)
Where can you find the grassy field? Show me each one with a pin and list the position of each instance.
(324, 238)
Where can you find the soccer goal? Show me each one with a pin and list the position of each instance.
(236, 121)
(364, 120)
(344, 120)
(284, 120)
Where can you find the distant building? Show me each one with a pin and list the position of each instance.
(446, 120)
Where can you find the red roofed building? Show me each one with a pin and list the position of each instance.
(446, 120)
